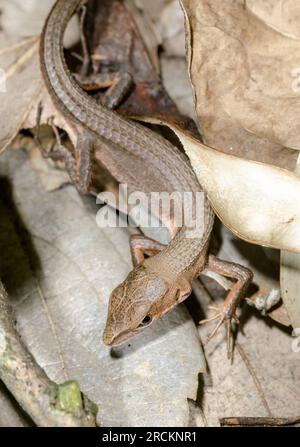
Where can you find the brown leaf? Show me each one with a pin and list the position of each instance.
(244, 74)
(119, 48)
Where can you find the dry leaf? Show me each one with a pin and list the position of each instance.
(245, 79)
(290, 279)
(258, 202)
(263, 379)
(10, 414)
(119, 48)
(21, 68)
(21, 85)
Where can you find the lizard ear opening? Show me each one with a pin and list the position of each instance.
(186, 295)
(184, 290)
(146, 321)
(181, 296)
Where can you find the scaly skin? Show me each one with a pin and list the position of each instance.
(163, 281)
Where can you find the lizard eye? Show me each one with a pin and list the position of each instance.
(147, 320)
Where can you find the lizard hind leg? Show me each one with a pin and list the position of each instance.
(78, 166)
(227, 313)
(117, 84)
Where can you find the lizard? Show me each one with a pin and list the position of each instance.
(160, 282)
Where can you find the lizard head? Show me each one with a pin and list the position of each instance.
(140, 300)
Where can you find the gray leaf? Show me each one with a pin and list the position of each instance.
(59, 268)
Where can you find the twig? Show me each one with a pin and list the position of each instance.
(254, 377)
(48, 404)
(259, 421)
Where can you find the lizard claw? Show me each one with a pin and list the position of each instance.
(225, 317)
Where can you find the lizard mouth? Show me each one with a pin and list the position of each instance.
(112, 340)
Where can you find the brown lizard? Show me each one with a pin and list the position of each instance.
(159, 283)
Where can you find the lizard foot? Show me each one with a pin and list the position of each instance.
(226, 315)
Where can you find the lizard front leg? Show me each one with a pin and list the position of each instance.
(227, 313)
(141, 245)
(79, 165)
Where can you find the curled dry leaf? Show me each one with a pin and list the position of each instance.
(258, 202)
(59, 269)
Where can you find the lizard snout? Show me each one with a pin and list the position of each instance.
(108, 336)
